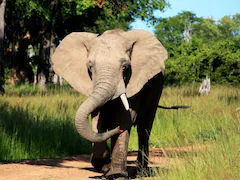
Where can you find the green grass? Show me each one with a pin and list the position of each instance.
(212, 120)
(36, 124)
(40, 124)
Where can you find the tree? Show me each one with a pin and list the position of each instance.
(170, 31)
(214, 48)
(2, 24)
(230, 26)
(48, 21)
(207, 30)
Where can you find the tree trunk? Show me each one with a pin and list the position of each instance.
(43, 67)
(24, 69)
(56, 79)
(54, 43)
(2, 23)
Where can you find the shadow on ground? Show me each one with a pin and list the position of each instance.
(133, 172)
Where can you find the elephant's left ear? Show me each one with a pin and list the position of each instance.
(147, 59)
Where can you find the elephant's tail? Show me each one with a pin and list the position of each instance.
(174, 107)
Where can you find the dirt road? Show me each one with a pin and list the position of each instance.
(74, 168)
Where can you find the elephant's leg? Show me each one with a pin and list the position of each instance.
(119, 157)
(143, 144)
(100, 157)
(147, 110)
(119, 143)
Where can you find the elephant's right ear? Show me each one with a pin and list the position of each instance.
(70, 58)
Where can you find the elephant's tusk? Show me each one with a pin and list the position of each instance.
(125, 101)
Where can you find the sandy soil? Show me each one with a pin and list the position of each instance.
(78, 167)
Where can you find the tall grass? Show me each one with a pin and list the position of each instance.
(40, 124)
(212, 121)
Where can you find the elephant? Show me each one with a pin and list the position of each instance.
(122, 75)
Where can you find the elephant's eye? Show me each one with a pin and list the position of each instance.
(126, 72)
(90, 65)
(125, 65)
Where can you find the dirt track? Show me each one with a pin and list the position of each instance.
(74, 168)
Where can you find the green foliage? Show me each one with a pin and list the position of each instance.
(213, 48)
(206, 135)
(220, 61)
(229, 26)
(48, 21)
(66, 16)
(170, 30)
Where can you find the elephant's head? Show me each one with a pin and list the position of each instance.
(106, 67)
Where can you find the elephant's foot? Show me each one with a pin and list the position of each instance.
(117, 170)
(117, 174)
(100, 157)
(119, 158)
(101, 164)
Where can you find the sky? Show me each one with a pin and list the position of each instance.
(215, 9)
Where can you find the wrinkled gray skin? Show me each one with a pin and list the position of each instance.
(118, 62)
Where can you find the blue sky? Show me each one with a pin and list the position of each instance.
(202, 8)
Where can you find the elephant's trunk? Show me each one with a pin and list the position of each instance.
(102, 92)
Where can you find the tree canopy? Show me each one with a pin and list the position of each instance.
(42, 23)
(211, 49)
(197, 46)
